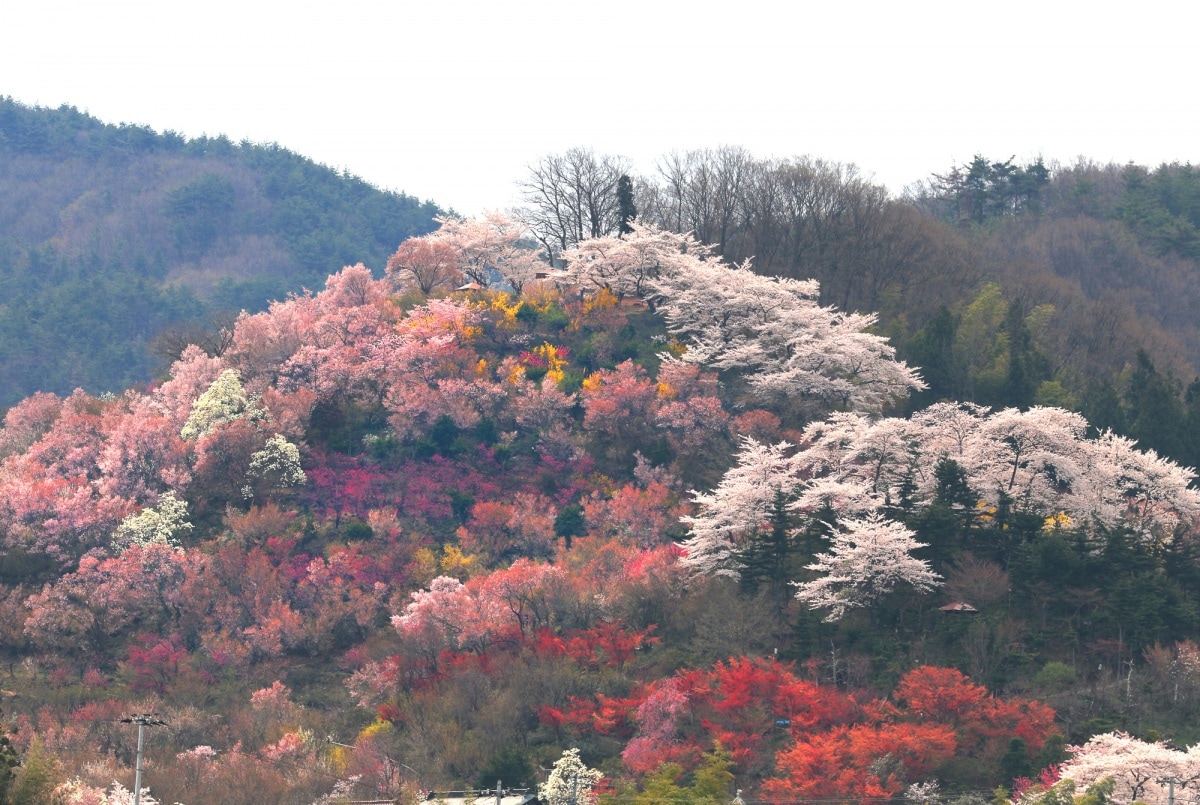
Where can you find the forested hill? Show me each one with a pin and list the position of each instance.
(110, 233)
(455, 530)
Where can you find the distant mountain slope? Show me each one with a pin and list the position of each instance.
(109, 233)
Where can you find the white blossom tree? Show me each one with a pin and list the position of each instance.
(768, 331)
(279, 460)
(1040, 459)
(867, 559)
(570, 782)
(159, 524)
(788, 348)
(1140, 768)
(224, 401)
(738, 507)
(634, 264)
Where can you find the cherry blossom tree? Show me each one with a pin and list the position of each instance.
(87, 610)
(739, 507)
(503, 605)
(628, 265)
(143, 453)
(768, 331)
(494, 243)
(1140, 768)
(868, 558)
(424, 263)
(1040, 459)
(27, 421)
(772, 333)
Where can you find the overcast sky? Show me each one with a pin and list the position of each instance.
(450, 101)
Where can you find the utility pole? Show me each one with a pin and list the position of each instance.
(500, 791)
(1170, 781)
(143, 720)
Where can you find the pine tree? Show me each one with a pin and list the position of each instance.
(767, 558)
(626, 210)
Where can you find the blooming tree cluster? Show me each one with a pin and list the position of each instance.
(476, 248)
(1040, 461)
(769, 331)
(1140, 769)
(489, 474)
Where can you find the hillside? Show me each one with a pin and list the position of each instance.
(109, 234)
(456, 531)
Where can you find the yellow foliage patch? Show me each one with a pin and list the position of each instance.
(601, 300)
(1058, 521)
(458, 564)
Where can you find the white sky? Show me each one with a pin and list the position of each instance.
(451, 100)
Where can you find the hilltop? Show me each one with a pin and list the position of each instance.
(111, 233)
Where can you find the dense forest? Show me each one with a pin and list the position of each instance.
(111, 236)
(741, 477)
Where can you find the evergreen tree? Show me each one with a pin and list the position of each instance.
(626, 210)
(932, 348)
(1025, 364)
(767, 558)
(1155, 412)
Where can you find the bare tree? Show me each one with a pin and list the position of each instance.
(213, 334)
(572, 197)
(703, 193)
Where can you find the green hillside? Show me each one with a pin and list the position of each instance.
(110, 233)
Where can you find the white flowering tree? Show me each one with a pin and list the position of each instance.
(494, 242)
(739, 507)
(770, 332)
(1139, 768)
(155, 525)
(278, 460)
(224, 401)
(1041, 460)
(636, 264)
(867, 559)
(570, 782)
